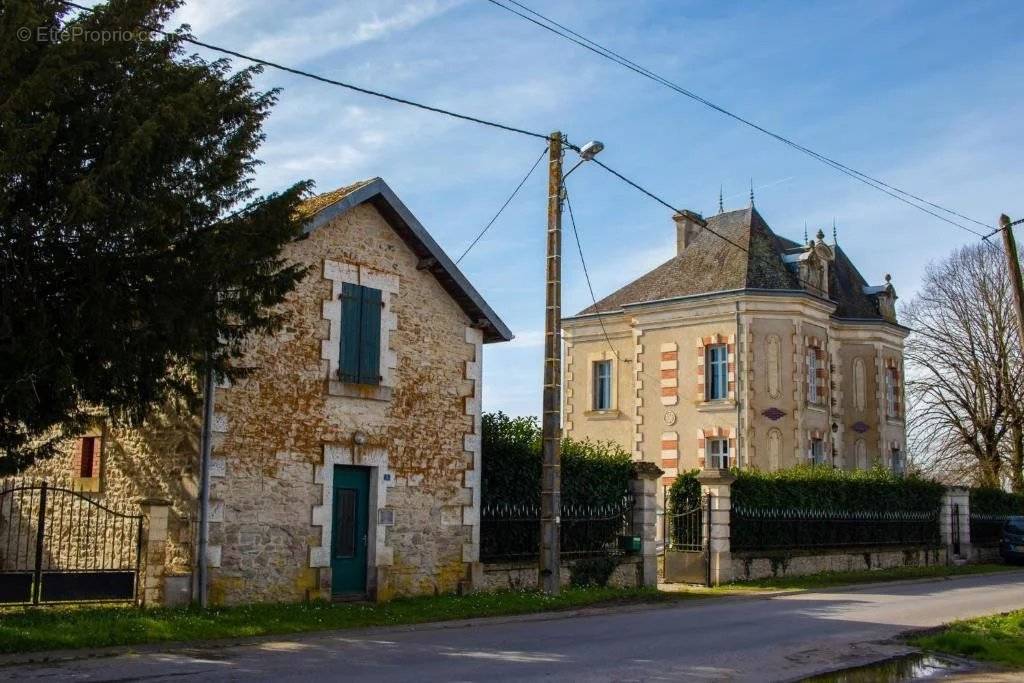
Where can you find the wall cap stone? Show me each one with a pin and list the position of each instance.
(646, 470)
(715, 476)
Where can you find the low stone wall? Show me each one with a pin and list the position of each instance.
(983, 554)
(748, 566)
(498, 576)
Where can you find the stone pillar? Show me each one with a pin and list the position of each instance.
(719, 483)
(644, 486)
(155, 513)
(959, 498)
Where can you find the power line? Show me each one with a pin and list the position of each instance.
(324, 79)
(707, 227)
(507, 202)
(586, 273)
(584, 42)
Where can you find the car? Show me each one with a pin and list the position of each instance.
(1011, 544)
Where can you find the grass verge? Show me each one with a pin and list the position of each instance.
(997, 639)
(52, 628)
(831, 579)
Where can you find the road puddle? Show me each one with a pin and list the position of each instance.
(915, 667)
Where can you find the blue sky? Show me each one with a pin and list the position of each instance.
(925, 95)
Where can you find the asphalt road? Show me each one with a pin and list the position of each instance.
(762, 639)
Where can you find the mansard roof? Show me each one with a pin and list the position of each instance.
(711, 265)
(323, 208)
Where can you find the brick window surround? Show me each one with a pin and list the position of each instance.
(892, 388)
(702, 347)
(816, 394)
(704, 447)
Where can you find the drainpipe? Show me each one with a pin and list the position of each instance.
(740, 403)
(200, 593)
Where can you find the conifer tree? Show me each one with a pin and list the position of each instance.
(133, 243)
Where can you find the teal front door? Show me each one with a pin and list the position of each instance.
(350, 530)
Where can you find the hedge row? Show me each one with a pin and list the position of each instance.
(593, 474)
(819, 488)
(988, 501)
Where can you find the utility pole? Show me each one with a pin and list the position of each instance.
(551, 469)
(1010, 247)
(206, 447)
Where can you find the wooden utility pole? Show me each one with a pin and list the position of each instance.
(1010, 247)
(551, 424)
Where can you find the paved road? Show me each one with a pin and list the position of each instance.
(779, 638)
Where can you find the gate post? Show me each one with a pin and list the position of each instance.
(643, 485)
(155, 513)
(955, 523)
(718, 483)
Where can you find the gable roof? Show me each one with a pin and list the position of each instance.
(710, 265)
(323, 208)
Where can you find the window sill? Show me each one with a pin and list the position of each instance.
(86, 484)
(889, 419)
(602, 414)
(816, 407)
(370, 392)
(717, 406)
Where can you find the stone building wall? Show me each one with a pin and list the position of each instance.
(159, 460)
(283, 427)
(768, 416)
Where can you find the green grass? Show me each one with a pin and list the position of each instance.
(50, 628)
(830, 579)
(994, 639)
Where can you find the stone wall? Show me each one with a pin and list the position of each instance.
(158, 460)
(751, 566)
(281, 429)
(498, 576)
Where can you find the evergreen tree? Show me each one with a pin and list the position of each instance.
(132, 241)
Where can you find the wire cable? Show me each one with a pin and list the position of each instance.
(586, 272)
(574, 37)
(745, 250)
(323, 79)
(507, 202)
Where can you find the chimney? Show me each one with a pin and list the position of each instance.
(688, 226)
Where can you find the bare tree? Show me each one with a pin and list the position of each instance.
(964, 371)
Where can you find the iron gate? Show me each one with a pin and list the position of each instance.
(687, 534)
(58, 546)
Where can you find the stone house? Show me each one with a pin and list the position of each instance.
(346, 462)
(765, 357)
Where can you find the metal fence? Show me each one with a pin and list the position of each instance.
(58, 545)
(987, 529)
(685, 529)
(511, 532)
(780, 528)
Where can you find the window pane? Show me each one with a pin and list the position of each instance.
(603, 385)
(717, 373)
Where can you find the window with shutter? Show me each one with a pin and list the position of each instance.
(360, 334)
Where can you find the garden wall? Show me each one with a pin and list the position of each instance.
(498, 576)
(749, 566)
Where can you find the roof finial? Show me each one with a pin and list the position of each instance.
(835, 238)
(751, 193)
(805, 232)
(721, 207)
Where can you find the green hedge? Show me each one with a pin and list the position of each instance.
(593, 474)
(684, 493)
(989, 501)
(823, 488)
(819, 488)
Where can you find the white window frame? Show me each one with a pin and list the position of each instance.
(817, 451)
(602, 370)
(716, 368)
(812, 375)
(896, 460)
(718, 453)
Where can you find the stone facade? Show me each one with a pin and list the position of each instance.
(280, 430)
(811, 358)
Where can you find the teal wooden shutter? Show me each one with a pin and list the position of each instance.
(369, 338)
(360, 334)
(351, 313)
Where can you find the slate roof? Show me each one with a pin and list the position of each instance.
(323, 208)
(710, 265)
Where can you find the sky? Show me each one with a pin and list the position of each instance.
(925, 95)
